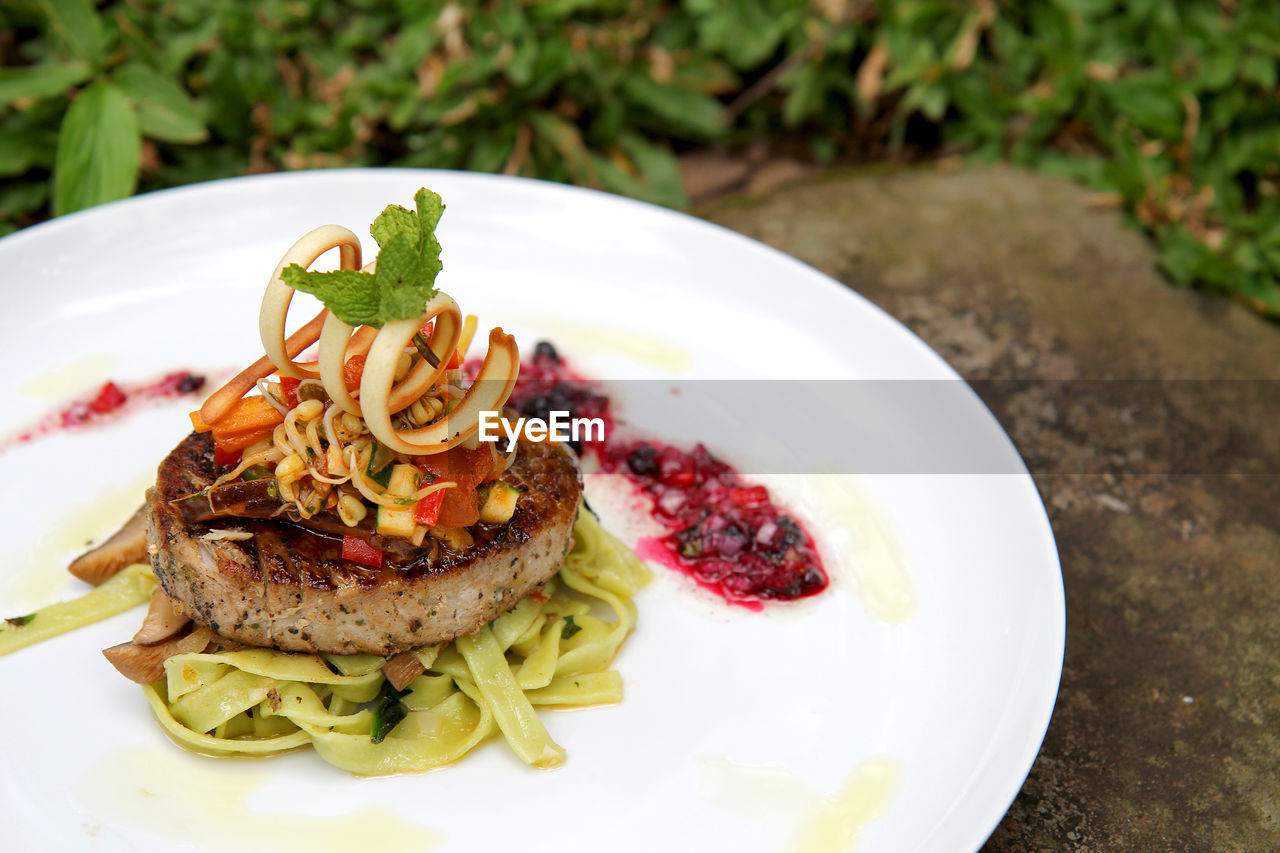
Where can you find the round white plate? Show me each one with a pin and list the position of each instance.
(738, 731)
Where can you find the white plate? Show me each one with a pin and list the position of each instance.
(735, 726)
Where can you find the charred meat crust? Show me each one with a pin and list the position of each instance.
(289, 588)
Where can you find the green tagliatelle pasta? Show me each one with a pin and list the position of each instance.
(552, 652)
(130, 587)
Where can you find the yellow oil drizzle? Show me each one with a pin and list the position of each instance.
(202, 803)
(836, 822)
(757, 792)
(819, 824)
(867, 555)
(658, 353)
(37, 575)
(69, 379)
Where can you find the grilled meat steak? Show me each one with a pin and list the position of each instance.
(287, 586)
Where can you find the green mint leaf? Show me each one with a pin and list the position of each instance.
(404, 279)
(394, 220)
(430, 209)
(350, 294)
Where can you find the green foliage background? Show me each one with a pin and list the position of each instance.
(1170, 107)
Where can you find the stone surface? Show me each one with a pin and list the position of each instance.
(1162, 494)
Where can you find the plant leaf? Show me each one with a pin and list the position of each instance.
(1151, 101)
(99, 150)
(684, 109)
(566, 140)
(18, 153)
(40, 81)
(75, 23)
(19, 198)
(165, 111)
(663, 183)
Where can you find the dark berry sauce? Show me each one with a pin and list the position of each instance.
(547, 384)
(108, 402)
(727, 534)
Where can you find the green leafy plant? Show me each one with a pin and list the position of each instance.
(104, 104)
(1169, 108)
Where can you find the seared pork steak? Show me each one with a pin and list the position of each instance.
(288, 587)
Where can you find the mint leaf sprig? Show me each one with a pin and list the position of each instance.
(404, 279)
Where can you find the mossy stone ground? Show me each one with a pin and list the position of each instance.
(1163, 494)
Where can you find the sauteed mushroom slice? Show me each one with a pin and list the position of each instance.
(162, 621)
(126, 546)
(145, 664)
(402, 669)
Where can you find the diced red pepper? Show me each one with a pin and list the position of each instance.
(428, 328)
(679, 479)
(289, 387)
(359, 550)
(427, 510)
(455, 361)
(353, 372)
(467, 468)
(226, 456)
(749, 495)
(109, 398)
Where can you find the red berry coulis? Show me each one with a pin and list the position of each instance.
(107, 402)
(730, 536)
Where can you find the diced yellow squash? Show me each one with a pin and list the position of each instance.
(403, 482)
(500, 504)
(396, 522)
